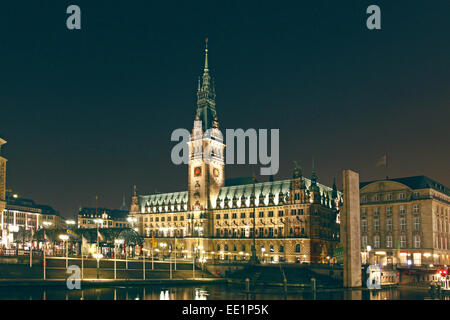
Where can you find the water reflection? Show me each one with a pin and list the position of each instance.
(207, 292)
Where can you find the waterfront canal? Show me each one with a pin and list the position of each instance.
(205, 292)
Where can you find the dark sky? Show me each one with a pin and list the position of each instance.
(91, 112)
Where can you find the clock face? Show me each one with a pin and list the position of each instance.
(216, 172)
(197, 171)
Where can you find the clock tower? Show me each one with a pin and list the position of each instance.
(206, 148)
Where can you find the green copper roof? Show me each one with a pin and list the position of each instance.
(241, 192)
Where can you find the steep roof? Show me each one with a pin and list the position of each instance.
(416, 182)
(233, 189)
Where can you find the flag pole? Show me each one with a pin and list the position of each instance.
(45, 263)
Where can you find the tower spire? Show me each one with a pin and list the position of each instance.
(206, 96)
(206, 56)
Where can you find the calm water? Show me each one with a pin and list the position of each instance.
(201, 292)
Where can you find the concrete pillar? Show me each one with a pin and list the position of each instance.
(350, 230)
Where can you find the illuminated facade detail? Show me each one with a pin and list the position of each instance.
(406, 220)
(296, 219)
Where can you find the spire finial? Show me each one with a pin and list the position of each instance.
(206, 54)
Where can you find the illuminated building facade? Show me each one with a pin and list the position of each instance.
(405, 221)
(111, 218)
(22, 216)
(293, 220)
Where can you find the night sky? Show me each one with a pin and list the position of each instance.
(91, 111)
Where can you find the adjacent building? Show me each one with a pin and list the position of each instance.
(405, 221)
(292, 220)
(104, 217)
(22, 217)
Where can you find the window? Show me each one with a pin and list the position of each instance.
(389, 210)
(243, 215)
(416, 208)
(402, 224)
(300, 212)
(271, 248)
(234, 216)
(225, 216)
(402, 209)
(416, 195)
(364, 225)
(389, 242)
(376, 241)
(376, 210)
(376, 198)
(243, 247)
(364, 199)
(376, 225)
(389, 224)
(416, 241)
(402, 241)
(218, 247)
(363, 212)
(293, 212)
(281, 248)
(226, 247)
(297, 248)
(417, 224)
(280, 213)
(261, 214)
(402, 196)
(364, 241)
(270, 213)
(389, 197)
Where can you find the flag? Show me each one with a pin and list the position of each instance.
(99, 235)
(72, 234)
(154, 243)
(382, 162)
(84, 245)
(46, 239)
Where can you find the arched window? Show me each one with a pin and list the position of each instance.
(226, 247)
(218, 247)
(297, 248)
(281, 248)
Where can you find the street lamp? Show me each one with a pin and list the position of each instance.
(98, 256)
(368, 248)
(132, 220)
(163, 245)
(65, 237)
(263, 250)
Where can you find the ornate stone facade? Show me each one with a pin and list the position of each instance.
(292, 220)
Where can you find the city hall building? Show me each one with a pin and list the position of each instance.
(293, 220)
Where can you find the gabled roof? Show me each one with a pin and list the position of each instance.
(416, 182)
